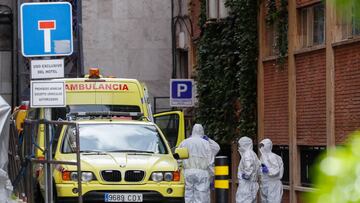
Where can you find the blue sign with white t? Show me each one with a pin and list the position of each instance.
(46, 29)
(181, 92)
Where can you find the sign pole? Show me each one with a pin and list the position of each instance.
(48, 156)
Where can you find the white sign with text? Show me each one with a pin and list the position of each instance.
(45, 69)
(47, 94)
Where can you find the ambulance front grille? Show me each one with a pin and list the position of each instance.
(134, 176)
(111, 175)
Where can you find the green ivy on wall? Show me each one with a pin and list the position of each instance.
(226, 72)
(278, 17)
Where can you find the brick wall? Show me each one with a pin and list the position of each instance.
(311, 98)
(347, 90)
(286, 197)
(276, 103)
(194, 16)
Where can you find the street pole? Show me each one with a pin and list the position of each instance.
(221, 179)
(48, 156)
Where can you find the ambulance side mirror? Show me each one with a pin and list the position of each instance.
(181, 153)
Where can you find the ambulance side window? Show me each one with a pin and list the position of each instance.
(57, 114)
(69, 142)
(169, 126)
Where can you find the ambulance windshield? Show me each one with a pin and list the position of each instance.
(115, 137)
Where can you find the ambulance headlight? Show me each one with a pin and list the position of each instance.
(85, 176)
(157, 176)
(168, 176)
(74, 176)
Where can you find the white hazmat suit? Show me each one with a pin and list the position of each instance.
(272, 170)
(197, 166)
(247, 172)
(215, 148)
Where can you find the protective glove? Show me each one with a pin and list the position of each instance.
(245, 177)
(264, 169)
(206, 138)
(212, 186)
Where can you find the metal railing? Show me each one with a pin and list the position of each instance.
(32, 129)
(15, 160)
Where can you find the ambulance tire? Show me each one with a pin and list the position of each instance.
(55, 198)
(38, 198)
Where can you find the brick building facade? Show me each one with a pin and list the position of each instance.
(313, 102)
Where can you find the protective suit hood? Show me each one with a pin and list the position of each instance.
(267, 145)
(245, 144)
(198, 131)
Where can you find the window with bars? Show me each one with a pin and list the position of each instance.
(312, 24)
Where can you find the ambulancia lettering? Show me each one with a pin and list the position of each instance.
(97, 86)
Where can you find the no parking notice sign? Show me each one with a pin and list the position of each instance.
(47, 93)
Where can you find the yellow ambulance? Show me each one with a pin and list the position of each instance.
(123, 158)
(95, 93)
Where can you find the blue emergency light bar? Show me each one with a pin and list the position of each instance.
(105, 114)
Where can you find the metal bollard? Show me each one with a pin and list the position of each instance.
(221, 179)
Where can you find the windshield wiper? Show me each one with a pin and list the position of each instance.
(89, 152)
(134, 151)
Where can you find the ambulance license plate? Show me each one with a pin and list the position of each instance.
(123, 197)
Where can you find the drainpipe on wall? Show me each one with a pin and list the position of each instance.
(14, 57)
(173, 36)
(80, 61)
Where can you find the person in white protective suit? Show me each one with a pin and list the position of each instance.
(196, 167)
(248, 172)
(215, 148)
(272, 170)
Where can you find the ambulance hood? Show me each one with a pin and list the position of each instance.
(128, 161)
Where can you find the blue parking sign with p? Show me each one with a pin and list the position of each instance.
(181, 92)
(181, 89)
(46, 29)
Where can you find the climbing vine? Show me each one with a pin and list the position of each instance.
(277, 16)
(226, 73)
